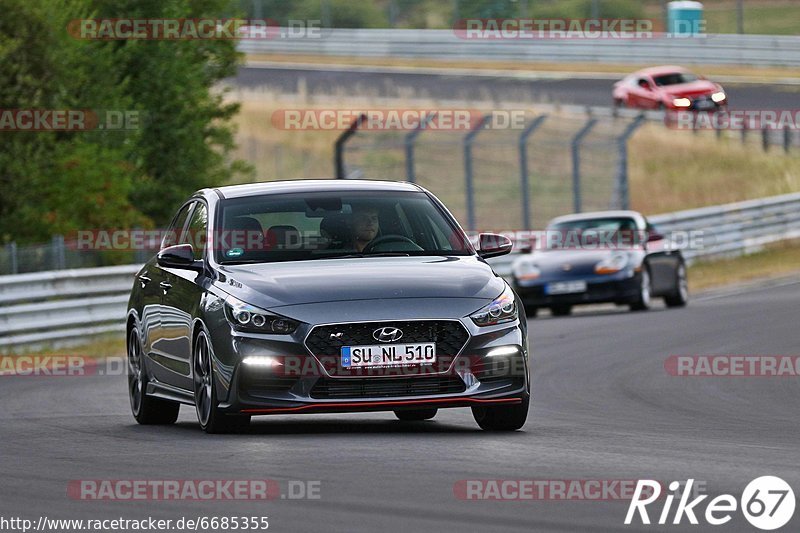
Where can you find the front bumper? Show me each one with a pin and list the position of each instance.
(303, 384)
(619, 291)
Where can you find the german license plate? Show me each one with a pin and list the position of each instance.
(565, 287)
(388, 355)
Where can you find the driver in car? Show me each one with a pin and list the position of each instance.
(364, 226)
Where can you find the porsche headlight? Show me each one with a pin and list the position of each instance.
(526, 270)
(612, 265)
(248, 318)
(502, 309)
(718, 96)
(682, 102)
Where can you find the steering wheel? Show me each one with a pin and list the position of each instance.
(391, 238)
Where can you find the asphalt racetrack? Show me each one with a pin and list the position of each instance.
(391, 83)
(604, 408)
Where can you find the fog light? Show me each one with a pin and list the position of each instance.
(503, 350)
(260, 360)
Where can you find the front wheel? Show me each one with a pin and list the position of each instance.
(502, 417)
(679, 297)
(415, 415)
(146, 409)
(642, 302)
(211, 419)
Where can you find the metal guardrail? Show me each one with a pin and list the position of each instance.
(49, 308)
(716, 49)
(62, 306)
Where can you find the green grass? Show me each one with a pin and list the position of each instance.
(774, 261)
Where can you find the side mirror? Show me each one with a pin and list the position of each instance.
(644, 85)
(179, 256)
(653, 236)
(492, 245)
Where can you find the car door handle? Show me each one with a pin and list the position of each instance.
(165, 286)
(144, 280)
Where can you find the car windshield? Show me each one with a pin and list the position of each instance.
(298, 227)
(593, 233)
(674, 78)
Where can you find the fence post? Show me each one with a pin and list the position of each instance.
(468, 139)
(339, 167)
(622, 172)
(744, 132)
(408, 141)
(787, 139)
(57, 247)
(765, 138)
(523, 169)
(12, 257)
(576, 163)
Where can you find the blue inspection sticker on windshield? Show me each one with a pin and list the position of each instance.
(234, 252)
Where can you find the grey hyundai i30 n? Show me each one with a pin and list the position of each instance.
(324, 296)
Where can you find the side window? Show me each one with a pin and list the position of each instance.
(175, 229)
(196, 234)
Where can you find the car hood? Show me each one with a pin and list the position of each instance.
(272, 285)
(694, 88)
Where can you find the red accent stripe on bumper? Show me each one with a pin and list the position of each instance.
(455, 402)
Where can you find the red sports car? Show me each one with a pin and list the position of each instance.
(673, 88)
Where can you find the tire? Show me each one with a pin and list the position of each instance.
(680, 296)
(531, 311)
(502, 418)
(413, 415)
(561, 310)
(211, 419)
(146, 409)
(643, 299)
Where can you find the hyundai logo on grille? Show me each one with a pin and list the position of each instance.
(387, 334)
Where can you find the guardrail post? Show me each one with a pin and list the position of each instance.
(339, 167)
(468, 140)
(57, 248)
(523, 169)
(576, 163)
(622, 171)
(408, 141)
(13, 261)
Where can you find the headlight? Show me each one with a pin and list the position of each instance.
(248, 318)
(502, 309)
(682, 102)
(612, 265)
(718, 97)
(526, 270)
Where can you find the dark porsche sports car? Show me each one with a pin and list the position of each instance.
(601, 257)
(324, 296)
(669, 88)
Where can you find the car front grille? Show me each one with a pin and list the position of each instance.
(449, 335)
(358, 388)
